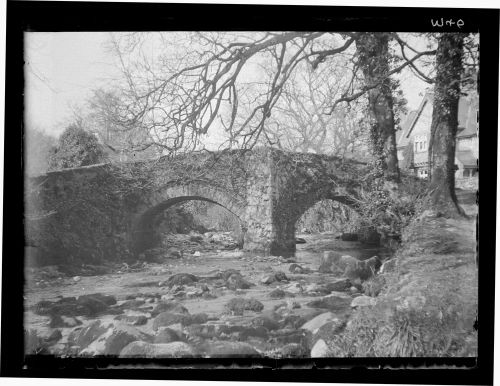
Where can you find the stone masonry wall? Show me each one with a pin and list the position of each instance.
(108, 212)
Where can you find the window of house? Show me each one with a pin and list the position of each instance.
(423, 173)
(420, 143)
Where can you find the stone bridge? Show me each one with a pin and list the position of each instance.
(110, 210)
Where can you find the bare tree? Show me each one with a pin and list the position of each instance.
(299, 121)
(177, 94)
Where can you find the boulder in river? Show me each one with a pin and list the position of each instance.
(167, 335)
(203, 331)
(278, 293)
(53, 336)
(111, 338)
(280, 276)
(165, 319)
(164, 306)
(181, 279)
(274, 277)
(362, 269)
(320, 350)
(83, 336)
(236, 281)
(268, 321)
(346, 261)
(315, 324)
(268, 279)
(342, 284)
(195, 237)
(329, 262)
(294, 288)
(363, 301)
(298, 269)
(88, 305)
(337, 301)
(239, 305)
(133, 320)
(61, 321)
(174, 253)
(329, 330)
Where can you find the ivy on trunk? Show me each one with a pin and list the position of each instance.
(445, 123)
(373, 52)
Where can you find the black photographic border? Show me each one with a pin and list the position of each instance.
(91, 16)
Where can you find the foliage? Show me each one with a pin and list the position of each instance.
(76, 147)
(326, 216)
(391, 330)
(386, 209)
(74, 225)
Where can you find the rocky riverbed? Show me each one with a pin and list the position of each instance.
(208, 303)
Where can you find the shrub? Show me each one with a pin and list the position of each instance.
(389, 211)
(76, 147)
(437, 329)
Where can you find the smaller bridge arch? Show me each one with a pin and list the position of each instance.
(142, 232)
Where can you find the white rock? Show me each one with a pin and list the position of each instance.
(363, 301)
(77, 278)
(389, 265)
(268, 279)
(315, 324)
(313, 287)
(291, 304)
(294, 288)
(320, 350)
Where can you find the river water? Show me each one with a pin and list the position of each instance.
(148, 284)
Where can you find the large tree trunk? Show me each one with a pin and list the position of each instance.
(373, 52)
(445, 123)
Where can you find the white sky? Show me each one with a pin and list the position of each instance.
(63, 67)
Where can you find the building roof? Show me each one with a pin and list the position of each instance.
(466, 158)
(411, 119)
(406, 123)
(467, 126)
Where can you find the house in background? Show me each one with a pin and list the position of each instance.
(416, 129)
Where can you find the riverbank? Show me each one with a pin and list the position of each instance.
(428, 303)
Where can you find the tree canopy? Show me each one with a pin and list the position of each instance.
(76, 147)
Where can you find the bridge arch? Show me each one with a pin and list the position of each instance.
(142, 232)
(289, 211)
